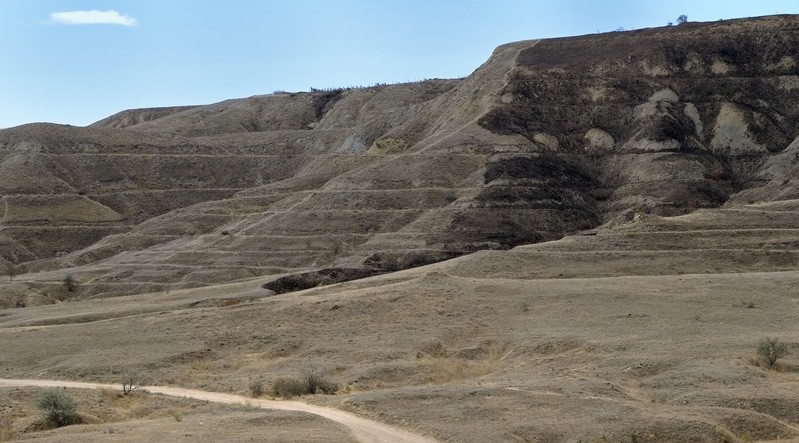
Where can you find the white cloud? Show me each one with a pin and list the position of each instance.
(93, 17)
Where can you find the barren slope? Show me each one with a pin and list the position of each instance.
(545, 139)
(646, 330)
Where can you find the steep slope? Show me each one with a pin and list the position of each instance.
(546, 139)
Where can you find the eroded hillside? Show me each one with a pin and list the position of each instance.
(547, 138)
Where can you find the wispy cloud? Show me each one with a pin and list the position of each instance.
(93, 17)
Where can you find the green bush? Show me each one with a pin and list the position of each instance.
(770, 350)
(58, 407)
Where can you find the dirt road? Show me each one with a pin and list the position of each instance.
(365, 430)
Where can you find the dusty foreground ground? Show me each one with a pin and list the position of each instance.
(642, 332)
(107, 415)
(361, 429)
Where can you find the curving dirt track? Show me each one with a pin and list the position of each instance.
(364, 430)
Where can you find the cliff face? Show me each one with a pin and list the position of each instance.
(547, 138)
(673, 118)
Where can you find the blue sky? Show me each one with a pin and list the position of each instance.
(77, 61)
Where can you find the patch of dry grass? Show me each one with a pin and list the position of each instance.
(778, 366)
(6, 428)
(19, 416)
(445, 369)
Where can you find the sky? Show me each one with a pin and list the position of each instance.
(78, 61)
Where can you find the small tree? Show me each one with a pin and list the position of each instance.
(256, 388)
(682, 19)
(70, 283)
(316, 382)
(338, 247)
(770, 350)
(11, 271)
(58, 407)
(130, 379)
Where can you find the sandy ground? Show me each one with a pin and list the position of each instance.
(364, 430)
(645, 331)
(664, 358)
(107, 415)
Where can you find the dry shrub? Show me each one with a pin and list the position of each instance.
(288, 387)
(58, 407)
(770, 350)
(130, 380)
(256, 388)
(176, 414)
(69, 283)
(312, 381)
(317, 383)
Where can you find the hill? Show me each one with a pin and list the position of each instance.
(546, 139)
(585, 239)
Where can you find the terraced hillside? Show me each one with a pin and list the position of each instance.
(547, 138)
(641, 331)
(618, 213)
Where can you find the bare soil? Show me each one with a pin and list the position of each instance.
(362, 429)
(107, 415)
(590, 337)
